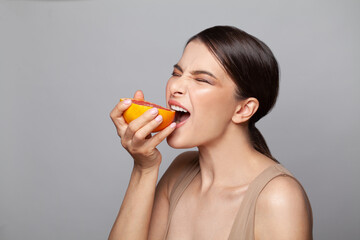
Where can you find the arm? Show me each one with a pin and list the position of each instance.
(133, 218)
(159, 217)
(283, 211)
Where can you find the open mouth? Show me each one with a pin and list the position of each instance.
(181, 114)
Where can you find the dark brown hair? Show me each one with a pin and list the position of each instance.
(252, 66)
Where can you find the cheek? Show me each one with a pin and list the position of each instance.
(211, 119)
(167, 90)
(213, 103)
(213, 116)
(215, 111)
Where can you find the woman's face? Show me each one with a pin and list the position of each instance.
(200, 85)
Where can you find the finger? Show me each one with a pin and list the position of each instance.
(145, 132)
(159, 137)
(117, 112)
(140, 122)
(139, 95)
(120, 108)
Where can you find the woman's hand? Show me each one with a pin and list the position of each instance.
(136, 136)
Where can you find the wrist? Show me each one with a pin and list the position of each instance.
(146, 171)
(147, 165)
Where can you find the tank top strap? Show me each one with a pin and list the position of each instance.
(243, 227)
(179, 187)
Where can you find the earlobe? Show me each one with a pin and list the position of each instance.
(245, 110)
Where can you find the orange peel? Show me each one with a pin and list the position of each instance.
(139, 107)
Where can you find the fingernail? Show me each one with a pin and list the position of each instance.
(158, 118)
(154, 111)
(173, 125)
(127, 101)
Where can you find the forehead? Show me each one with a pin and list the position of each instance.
(197, 56)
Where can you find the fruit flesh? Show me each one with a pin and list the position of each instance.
(148, 104)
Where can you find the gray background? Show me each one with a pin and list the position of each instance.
(65, 64)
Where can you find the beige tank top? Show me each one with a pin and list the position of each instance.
(243, 226)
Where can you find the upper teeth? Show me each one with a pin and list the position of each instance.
(177, 108)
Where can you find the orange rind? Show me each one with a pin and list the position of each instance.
(139, 107)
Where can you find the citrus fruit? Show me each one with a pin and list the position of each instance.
(138, 107)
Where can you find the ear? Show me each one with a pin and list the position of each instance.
(245, 110)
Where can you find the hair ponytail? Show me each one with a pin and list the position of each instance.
(258, 142)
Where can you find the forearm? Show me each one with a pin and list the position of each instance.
(133, 220)
(134, 216)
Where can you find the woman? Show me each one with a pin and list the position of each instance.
(232, 187)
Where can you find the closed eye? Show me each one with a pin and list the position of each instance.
(177, 71)
(203, 80)
(175, 74)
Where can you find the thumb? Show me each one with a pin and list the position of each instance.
(139, 95)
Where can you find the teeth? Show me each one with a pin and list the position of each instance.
(177, 108)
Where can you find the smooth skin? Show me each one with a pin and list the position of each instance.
(228, 164)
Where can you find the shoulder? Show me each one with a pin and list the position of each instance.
(178, 165)
(283, 211)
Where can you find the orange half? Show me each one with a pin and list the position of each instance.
(139, 107)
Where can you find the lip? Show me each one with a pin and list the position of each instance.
(173, 102)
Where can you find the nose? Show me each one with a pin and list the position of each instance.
(177, 86)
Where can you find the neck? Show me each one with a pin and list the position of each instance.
(230, 161)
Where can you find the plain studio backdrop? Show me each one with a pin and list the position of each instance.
(65, 64)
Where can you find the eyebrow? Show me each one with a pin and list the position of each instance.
(196, 72)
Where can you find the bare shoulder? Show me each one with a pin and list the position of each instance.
(176, 168)
(283, 211)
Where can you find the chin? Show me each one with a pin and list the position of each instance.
(178, 143)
